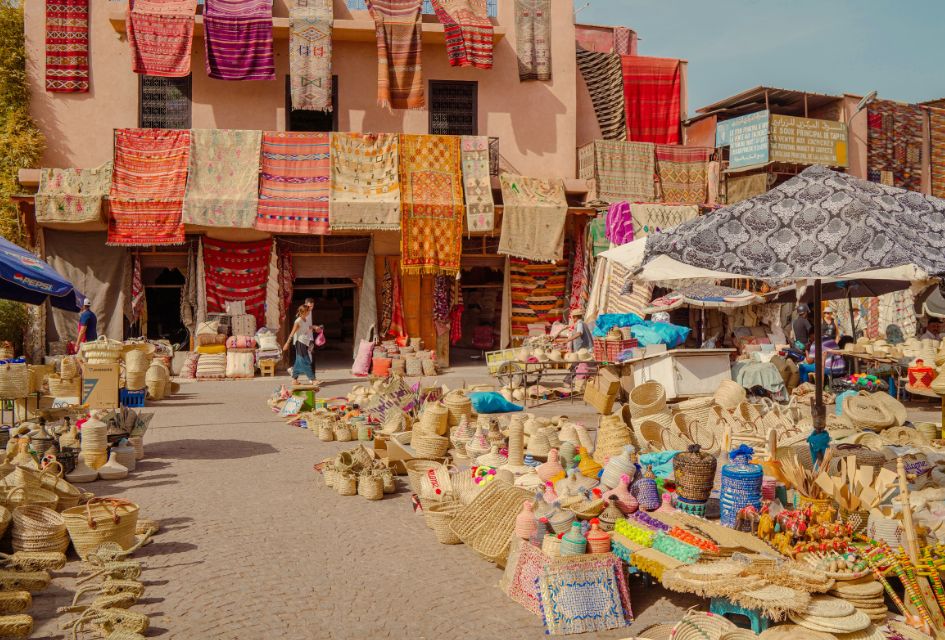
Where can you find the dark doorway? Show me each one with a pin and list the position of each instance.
(162, 288)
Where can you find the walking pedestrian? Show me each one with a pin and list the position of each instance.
(301, 338)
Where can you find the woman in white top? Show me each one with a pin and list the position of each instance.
(301, 337)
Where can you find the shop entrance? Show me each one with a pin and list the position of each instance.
(335, 309)
(481, 288)
(162, 290)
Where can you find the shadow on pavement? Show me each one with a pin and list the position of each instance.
(210, 449)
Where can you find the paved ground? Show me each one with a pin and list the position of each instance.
(254, 547)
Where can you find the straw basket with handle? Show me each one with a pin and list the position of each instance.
(51, 478)
(14, 381)
(101, 520)
(37, 528)
(15, 497)
(64, 387)
(101, 351)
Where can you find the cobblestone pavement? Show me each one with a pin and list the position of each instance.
(253, 546)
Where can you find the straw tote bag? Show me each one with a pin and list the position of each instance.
(101, 520)
(14, 381)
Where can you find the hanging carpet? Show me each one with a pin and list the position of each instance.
(625, 170)
(683, 173)
(895, 140)
(310, 24)
(72, 195)
(238, 37)
(237, 271)
(533, 218)
(365, 184)
(477, 184)
(533, 39)
(223, 181)
(538, 293)
(652, 98)
(67, 46)
(604, 79)
(293, 192)
(398, 29)
(160, 36)
(468, 32)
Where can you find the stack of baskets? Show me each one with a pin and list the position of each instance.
(157, 379)
(94, 444)
(354, 472)
(68, 383)
(37, 528)
(137, 361)
(101, 351)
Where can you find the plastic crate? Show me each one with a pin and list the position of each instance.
(608, 350)
(132, 399)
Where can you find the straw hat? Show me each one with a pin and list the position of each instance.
(794, 632)
(893, 405)
(867, 412)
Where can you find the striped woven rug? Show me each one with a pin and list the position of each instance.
(537, 293)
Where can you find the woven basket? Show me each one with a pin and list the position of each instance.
(341, 433)
(458, 405)
(38, 373)
(702, 626)
(101, 520)
(429, 445)
(694, 472)
(440, 516)
(135, 379)
(137, 360)
(651, 434)
(486, 525)
(697, 409)
(818, 505)
(434, 419)
(856, 519)
(646, 399)
(729, 394)
(346, 484)
(415, 470)
(867, 413)
(326, 433)
(864, 457)
(6, 516)
(370, 486)
(39, 529)
(888, 530)
(15, 602)
(14, 381)
(51, 478)
(64, 387)
(101, 351)
(16, 626)
(15, 497)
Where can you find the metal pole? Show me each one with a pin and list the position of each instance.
(820, 412)
(852, 317)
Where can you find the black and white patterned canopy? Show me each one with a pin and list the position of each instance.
(819, 224)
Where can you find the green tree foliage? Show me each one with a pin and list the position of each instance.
(21, 141)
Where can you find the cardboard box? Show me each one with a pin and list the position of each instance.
(597, 398)
(100, 386)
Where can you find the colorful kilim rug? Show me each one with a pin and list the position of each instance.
(237, 271)
(365, 185)
(580, 282)
(894, 152)
(468, 32)
(431, 198)
(533, 218)
(538, 293)
(652, 98)
(477, 184)
(650, 218)
(293, 192)
(72, 195)
(160, 35)
(590, 597)
(683, 173)
(620, 298)
(625, 170)
(238, 37)
(223, 182)
(148, 183)
(310, 23)
(533, 39)
(67, 46)
(937, 125)
(399, 47)
(604, 79)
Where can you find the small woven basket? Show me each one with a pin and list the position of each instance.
(440, 516)
(326, 433)
(370, 486)
(63, 387)
(429, 445)
(434, 419)
(14, 381)
(457, 405)
(856, 519)
(694, 472)
(346, 484)
(646, 399)
(39, 529)
(16, 626)
(14, 497)
(342, 433)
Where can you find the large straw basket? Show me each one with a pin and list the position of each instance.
(155, 379)
(867, 413)
(458, 405)
(64, 387)
(101, 351)
(646, 399)
(429, 445)
(38, 373)
(138, 359)
(434, 419)
(13, 497)
(101, 520)
(440, 516)
(729, 395)
(818, 505)
(135, 379)
(697, 409)
(51, 478)
(416, 469)
(14, 381)
(39, 529)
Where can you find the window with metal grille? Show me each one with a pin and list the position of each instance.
(304, 120)
(164, 103)
(453, 108)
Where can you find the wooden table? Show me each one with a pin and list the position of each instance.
(897, 366)
(531, 374)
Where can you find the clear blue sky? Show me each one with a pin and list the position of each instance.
(825, 46)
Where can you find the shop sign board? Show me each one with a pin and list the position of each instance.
(808, 141)
(746, 137)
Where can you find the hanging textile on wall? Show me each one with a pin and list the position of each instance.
(468, 32)
(238, 37)
(148, 183)
(649, 218)
(604, 78)
(161, 35)
(740, 187)
(625, 41)
(621, 296)
(72, 195)
(67, 46)
(431, 195)
(237, 271)
(138, 302)
(533, 218)
(625, 170)
(286, 280)
(477, 184)
(399, 48)
(188, 293)
(398, 322)
(533, 39)
(894, 152)
(713, 175)
(293, 185)
(580, 280)
(273, 293)
(442, 303)
(652, 98)
(619, 223)
(101, 272)
(365, 182)
(597, 235)
(223, 181)
(310, 23)
(937, 127)
(683, 173)
(367, 300)
(538, 293)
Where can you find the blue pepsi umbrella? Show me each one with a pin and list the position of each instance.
(26, 278)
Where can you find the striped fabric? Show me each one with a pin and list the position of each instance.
(67, 46)
(160, 34)
(293, 195)
(937, 124)
(604, 78)
(238, 37)
(310, 24)
(533, 39)
(652, 98)
(537, 292)
(398, 30)
(468, 32)
(148, 182)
